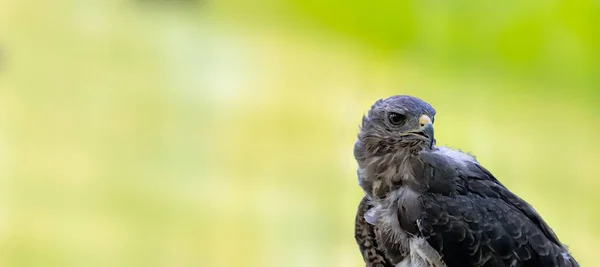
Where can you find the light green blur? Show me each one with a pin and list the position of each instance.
(220, 132)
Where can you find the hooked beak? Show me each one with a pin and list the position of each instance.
(427, 128)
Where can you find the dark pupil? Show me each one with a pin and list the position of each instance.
(396, 118)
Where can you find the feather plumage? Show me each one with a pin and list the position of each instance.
(428, 206)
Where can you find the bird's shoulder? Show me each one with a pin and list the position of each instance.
(469, 216)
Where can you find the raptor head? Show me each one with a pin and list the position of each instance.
(392, 123)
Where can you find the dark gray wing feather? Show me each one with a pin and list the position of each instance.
(472, 220)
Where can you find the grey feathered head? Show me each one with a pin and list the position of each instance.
(392, 120)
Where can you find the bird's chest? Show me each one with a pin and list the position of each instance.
(407, 250)
(397, 212)
(394, 218)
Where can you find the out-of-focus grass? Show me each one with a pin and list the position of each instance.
(221, 133)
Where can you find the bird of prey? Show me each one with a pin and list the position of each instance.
(432, 206)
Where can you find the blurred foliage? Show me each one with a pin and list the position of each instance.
(555, 40)
(220, 133)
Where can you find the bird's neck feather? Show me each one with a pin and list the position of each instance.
(385, 167)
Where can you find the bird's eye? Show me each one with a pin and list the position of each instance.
(396, 118)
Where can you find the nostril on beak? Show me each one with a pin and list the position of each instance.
(424, 120)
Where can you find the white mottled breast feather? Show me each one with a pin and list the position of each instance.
(385, 211)
(421, 255)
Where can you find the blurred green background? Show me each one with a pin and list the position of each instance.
(220, 132)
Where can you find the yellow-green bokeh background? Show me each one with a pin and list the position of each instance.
(220, 132)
